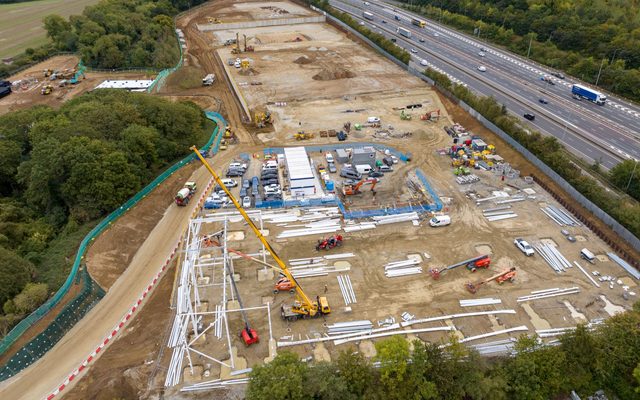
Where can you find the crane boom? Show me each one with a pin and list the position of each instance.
(302, 296)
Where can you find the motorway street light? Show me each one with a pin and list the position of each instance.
(600, 71)
(530, 41)
(632, 174)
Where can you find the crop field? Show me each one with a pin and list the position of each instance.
(21, 23)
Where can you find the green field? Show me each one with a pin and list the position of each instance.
(21, 23)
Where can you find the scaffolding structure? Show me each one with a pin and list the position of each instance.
(205, 278)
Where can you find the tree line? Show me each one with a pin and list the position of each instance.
(623, 209)
(61, 170)
(596, 41)
(606, 358)
(113, 34)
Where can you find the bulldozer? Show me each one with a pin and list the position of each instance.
(302, 135)
(404, 116)
(47, 90)
(502, 277)
(351, 190)
(262, 119)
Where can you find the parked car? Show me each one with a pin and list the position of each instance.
(255, 181)
(529, 116)
(385, 168)
(246, 202)
(375, 174)
(234, 172)
(268, 182)
(243, 192)
(350, 174)
(332, 167)
(237, 165)
(230, 183)
(246, 183)
(524, 247)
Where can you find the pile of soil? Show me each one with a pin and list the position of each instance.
(333, 74)
(304, 60)
(248, 72)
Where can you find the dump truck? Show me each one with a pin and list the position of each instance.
(583, 92)
(185, 194)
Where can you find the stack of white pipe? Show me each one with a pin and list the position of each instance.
(346, 289)
(214, 384)
(316, 230)
(543, 294)
(390, 219)
(552, 256)
(479, 302)
(359, 227)
(340, 328)
(402, 268)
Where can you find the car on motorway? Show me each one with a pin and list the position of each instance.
(384, 22)
(361, 23)
(482, 54)
(483, 49)
(424, 63)
(543, 101)
(524, 247)
(414, 51)
(436, 34)
(366, 3)
(482, 68)
(393, 40)
(529, 116)
(421, 40)
(558, 75)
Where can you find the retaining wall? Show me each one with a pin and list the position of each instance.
(260, 23)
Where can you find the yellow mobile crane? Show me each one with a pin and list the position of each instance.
(303, 307)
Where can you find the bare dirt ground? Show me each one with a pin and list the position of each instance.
(374, 87)
(28, 93)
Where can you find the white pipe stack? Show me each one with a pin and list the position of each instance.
(347, 289)
(549, 293)
(479, 302)
(552, 256)
(391, 219)
(402, 268)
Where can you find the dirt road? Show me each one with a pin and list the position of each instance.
(44, 376)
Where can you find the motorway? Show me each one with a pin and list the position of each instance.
(608, 134)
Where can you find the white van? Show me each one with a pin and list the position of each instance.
(270, 166)
(373, 120)
(587, 255)
(440, 220)
(237, 165)
(363, 168)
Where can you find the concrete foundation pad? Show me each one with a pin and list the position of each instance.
(577, 316)
(238, 362)
(192, 377)
(235, 236)
(536, 321)
(611, 308)
(265, 275)
(273, 351)
(367, 348)
(320, 353)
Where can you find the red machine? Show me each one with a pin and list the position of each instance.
(284, 285)
(329, 243)
(472, 265)
(350, 190)
(506, 275)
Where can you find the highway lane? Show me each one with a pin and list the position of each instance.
(621, 110)
(470, 76)
(615, 138)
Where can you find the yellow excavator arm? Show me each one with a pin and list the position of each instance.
(302, 297)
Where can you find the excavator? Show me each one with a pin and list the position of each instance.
(431, 115)
(262, 119)
(404, 116)
(48, 89)
(303, 307)
(472, 265)
(506, 275)
(350, 190)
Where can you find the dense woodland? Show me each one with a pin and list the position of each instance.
(113, 34)
(61, 170)
(576, 36)
(606, 358)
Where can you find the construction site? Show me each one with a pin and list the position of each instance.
(351, 202)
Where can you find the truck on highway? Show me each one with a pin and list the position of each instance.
(368, 15)
(186, 193)
(583, 92)
(418, 22)
(404, 32)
